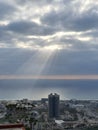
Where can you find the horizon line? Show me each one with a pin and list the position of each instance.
(50, 77)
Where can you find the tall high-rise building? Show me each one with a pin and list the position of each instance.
(53, 105)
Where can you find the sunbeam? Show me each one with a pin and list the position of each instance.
(36, 64)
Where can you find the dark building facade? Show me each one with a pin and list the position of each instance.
(53, 105)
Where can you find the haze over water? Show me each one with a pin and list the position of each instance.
(68, 89)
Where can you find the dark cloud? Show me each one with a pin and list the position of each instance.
(55, 18)
(6, 10)
(30, 28)
(69, 19)
(11, 59)
(20, 61)
(6, 38)
(42, 2)
(86, 21)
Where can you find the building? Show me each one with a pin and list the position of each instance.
(44, 100)
(53, 105)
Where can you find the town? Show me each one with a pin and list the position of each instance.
(50, 113)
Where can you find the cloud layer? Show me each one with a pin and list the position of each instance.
(56, 36)
(59, 22)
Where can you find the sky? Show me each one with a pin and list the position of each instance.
(48, 46)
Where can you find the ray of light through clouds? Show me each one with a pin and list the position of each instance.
(48, 45)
